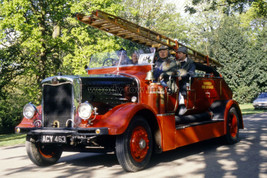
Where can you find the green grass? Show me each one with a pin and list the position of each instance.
(12, 139)
(249, 109)
(15, 139)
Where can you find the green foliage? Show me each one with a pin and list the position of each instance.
(39, 39)
(244, 62)
(228, 7)
(156, 16)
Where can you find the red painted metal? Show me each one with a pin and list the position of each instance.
(139, 144)
(233, 125)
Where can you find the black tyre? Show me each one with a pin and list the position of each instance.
(134, 146)
(232, 135)
(43, 155)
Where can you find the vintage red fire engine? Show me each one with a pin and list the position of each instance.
(120, 107)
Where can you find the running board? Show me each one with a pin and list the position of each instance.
(183, 126)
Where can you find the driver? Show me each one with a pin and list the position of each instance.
(123, 58)
(160, 66)
(168, 67)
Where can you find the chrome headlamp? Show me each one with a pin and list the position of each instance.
(29, 111)
(85, 110)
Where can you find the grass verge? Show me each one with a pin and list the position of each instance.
(12, 139)
(249, 109)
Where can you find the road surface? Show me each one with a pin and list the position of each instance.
(209, 159)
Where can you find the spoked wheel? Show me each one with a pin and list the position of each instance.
(43, 155)
(232, 135)
(134, 146)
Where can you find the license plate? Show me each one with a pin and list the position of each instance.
(53, 139)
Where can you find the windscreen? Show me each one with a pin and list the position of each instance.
(123, 57)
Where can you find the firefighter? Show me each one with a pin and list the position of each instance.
(186, 68)
(166, 67)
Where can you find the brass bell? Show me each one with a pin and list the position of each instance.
(149, 76)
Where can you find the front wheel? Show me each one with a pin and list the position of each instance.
(42, 154)
(134, 146)
(232, 127)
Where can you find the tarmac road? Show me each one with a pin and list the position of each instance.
(209, 159)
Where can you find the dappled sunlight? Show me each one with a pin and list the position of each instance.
(263, 153)
(196, 161)
(263, 144)
(241, 149)
(222, 148)
(244, 158)
(263, 169)
(263, 137)
(211, 158)
(234, 159)
(223, 155)
(228, 165)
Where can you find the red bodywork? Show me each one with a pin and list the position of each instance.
(154, 98)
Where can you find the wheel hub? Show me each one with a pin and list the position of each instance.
(142, 144)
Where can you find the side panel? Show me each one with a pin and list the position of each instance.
(173, 138)
(204, 91)
(167, 128)
(199, 133)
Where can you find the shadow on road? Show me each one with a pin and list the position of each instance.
(211, 158)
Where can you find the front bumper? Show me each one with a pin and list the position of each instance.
(68, 137)
(73, 131)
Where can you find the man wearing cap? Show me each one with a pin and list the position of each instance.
(164, 62)
(187, 65)
(166, 66)
(163, 55)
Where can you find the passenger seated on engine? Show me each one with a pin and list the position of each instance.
(186, 68)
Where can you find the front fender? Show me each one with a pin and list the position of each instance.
(30, 123)
(118, 119)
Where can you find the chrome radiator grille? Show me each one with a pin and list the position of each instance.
(57, 104)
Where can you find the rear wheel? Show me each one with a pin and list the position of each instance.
(43, 155)
(232, 135)
(134, 146)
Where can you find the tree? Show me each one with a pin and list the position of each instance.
(227, 6)
(244, 63)
(156, 16)
(39, 39)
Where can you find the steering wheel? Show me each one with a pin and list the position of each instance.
(109, 62)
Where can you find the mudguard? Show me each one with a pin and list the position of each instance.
(230, 104)
(36, 121)
(118, 119)
(221, 109)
